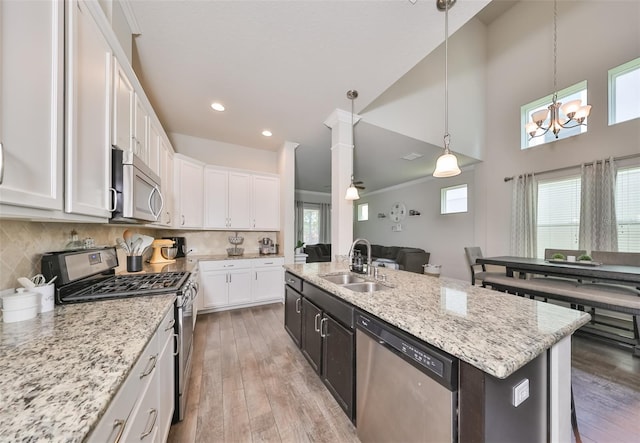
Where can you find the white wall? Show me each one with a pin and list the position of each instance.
(593, 37)
(444, 236)
(213, 152)
(313, 197)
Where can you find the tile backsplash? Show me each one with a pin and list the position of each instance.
(23, 243)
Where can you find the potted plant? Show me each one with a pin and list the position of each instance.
(299, 247)
(558, 256)
(584, 257)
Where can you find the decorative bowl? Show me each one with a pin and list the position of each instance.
(235, 251)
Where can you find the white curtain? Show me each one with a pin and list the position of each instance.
(598, 227)
(325, 222)
(524, 209)
(299, 220)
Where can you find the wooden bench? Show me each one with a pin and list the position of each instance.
(612, 297)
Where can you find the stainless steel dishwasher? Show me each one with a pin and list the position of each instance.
(406, 389)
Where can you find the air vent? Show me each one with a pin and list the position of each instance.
(412, 156)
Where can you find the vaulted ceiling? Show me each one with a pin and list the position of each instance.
(285, 66)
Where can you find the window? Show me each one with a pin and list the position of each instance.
(311, 224)
(624, 92)
(453, 199)
(558, 214)
(628, 209)
(575, 92)
(363, 212)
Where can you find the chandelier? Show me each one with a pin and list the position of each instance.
(447, 163)
(560, 116)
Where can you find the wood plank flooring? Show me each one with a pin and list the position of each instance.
(249, 383)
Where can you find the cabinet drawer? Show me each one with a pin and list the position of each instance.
(166, 329)
(266, 262)
(294, 281)
(215, 265)
(338, 309)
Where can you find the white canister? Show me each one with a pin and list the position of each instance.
(46, 297)
(433, 270)
(23, 305)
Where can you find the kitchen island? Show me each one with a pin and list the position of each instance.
(493, 333)
(61, 370)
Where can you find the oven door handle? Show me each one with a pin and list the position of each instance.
(176, 348)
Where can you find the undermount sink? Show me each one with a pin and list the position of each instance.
(365, 286)
(343, 279)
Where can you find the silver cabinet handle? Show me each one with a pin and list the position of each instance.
(115, 198)
(298, 300)
(290, 281)
(229, 278)
(153, 411)
(315, 323)
(1, 163)
(268, 263)
(121, 424)
(170, 325)
(152, 362)
(256, 273)
(182, 224)
(322, 322)
(175, 347)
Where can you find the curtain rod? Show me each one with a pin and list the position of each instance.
(548, 171)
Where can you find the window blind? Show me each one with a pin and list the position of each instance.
(558, 214)
(628, 209)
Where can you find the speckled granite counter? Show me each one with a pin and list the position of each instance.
(61, 369)
(495, 332)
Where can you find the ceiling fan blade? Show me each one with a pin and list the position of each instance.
(358, 186)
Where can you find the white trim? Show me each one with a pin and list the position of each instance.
(339, 115)
(560, 391)
(625, 68)
(132, 21)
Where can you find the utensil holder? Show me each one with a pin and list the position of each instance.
(134, 263)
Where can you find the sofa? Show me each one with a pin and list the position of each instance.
(319, 252)
(408, 259)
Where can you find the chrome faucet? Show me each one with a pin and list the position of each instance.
(351, 249)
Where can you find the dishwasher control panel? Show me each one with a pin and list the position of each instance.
(438, 364)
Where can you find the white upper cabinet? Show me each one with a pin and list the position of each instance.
(188, 192)
(154, 149)
(141, 130)
(31, 103)
(166, 178)
(266, 203)
(239, 200)
(123, 95)
(88, 112)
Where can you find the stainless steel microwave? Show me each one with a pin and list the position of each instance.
(138, 197)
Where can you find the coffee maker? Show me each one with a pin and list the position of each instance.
(181, 244)
(266, 246)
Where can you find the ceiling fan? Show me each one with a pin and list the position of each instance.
(358, 185)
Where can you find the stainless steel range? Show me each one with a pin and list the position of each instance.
(89, 275)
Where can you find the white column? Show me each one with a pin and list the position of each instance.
(341, 169)
(286, 169)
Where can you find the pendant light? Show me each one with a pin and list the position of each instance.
(352, 191)
(447, 163)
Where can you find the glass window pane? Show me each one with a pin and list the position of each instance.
(453, 199)
(311, 226)
(558, 214)
(628, 209)
(363, 212)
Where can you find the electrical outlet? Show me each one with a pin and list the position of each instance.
(520, 392)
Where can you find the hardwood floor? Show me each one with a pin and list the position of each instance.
(249, 382)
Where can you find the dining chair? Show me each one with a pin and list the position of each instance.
(616, 258)
(478, 270)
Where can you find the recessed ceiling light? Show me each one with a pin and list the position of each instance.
(412, 156)
(267, 133)
(217, 106)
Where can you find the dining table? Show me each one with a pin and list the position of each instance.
(628, 275)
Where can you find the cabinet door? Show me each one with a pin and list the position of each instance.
(216, 198)
(166, 177)
(292, 311)
(266, 203)
(338, 362)
(123, 95)
(141, 130)
(31, 103)
(239, 286)
(268, 283)
(190, 194)
(239, 200)
(311, 342)
(88, 109)
(215, 289)
(154, 149)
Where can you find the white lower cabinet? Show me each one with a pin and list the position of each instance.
(230, 284)
(142, 409)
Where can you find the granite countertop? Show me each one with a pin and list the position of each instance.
(61, 369)
(493, 331)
